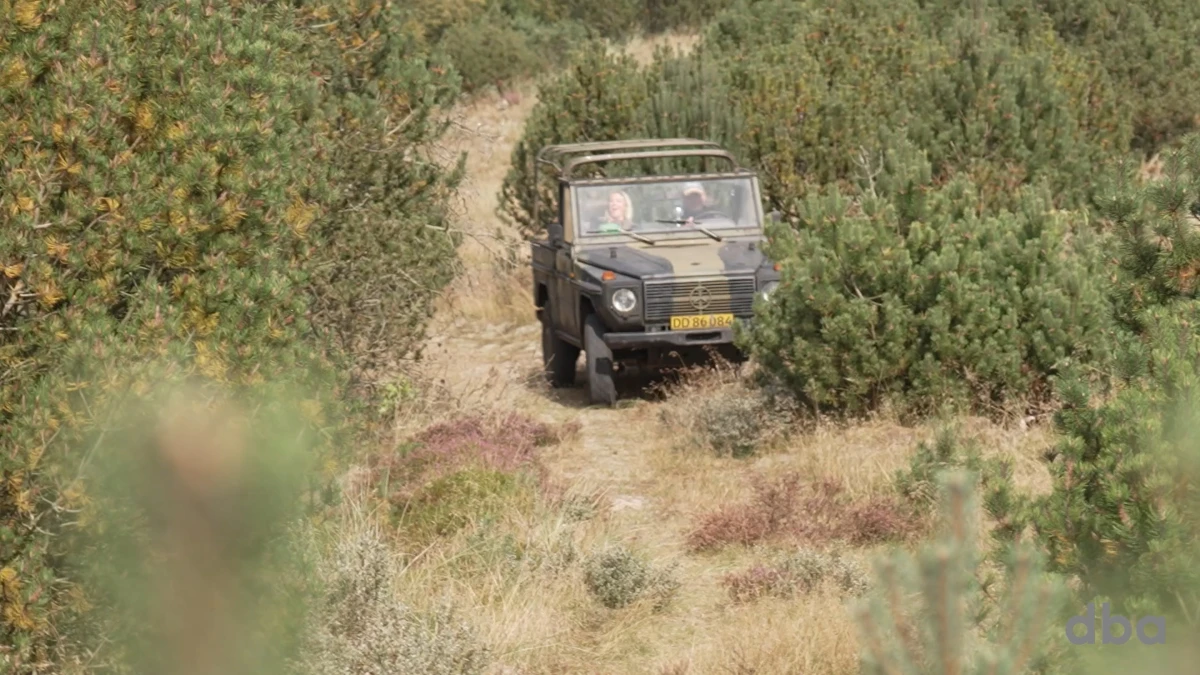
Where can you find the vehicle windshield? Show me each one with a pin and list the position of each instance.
(668, 206)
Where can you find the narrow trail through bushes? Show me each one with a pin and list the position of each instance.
(484, 343)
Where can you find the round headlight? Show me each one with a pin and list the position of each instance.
(767, 289)
(624, 300)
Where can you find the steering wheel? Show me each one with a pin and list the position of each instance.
(709, 214)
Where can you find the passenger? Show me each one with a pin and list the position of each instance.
(619, 215)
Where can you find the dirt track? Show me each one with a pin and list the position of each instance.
(485, 341)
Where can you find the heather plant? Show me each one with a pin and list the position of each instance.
(800, 572)
(818, 512)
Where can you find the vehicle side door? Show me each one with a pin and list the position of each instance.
(566, 305)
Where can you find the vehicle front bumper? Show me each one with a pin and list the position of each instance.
(669, 338)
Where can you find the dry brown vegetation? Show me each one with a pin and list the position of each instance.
(726, 530)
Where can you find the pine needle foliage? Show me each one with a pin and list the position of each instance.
(812, 95)
(956, 628)
(931, 308)
(235, 194)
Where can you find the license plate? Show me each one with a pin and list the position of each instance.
(701, 321)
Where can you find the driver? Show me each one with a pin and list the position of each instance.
(695, 202)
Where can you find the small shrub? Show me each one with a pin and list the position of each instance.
(715, 409)
(506, 443)
(363, 628)
(617, 578)
(579, 508)
(769, 512)
(801, 572)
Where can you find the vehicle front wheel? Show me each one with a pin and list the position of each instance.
(601, 388)
(558, 355)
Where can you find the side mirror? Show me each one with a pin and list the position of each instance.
(775, 216)
(555, 232)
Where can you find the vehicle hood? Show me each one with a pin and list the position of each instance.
(644, 261)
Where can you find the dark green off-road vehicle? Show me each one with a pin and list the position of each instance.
(648, 271)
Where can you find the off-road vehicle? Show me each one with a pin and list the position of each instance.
(647, 271)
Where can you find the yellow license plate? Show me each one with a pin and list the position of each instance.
(701, 321)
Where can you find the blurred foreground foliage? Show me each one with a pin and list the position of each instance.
(240, 196)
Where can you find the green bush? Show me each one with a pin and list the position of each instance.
(616, 577)
(939, 306)
(1123, 514)
(488, 51)
(1157, 234)
(939, 611)
(1147, 48)
(1122, 518)
(450, 503)
(192, 192)
(386, 245)
(814, 96)
(567, 108)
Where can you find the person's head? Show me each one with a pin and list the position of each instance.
(619, 208)
(693, 197)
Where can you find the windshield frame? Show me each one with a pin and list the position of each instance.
(667, 232)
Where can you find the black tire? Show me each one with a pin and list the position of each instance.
(558, 355)
(601, 388)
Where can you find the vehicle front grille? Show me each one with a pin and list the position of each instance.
(665, 299)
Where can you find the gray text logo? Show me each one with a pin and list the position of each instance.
(1109, 621)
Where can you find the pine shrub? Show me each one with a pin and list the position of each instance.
(814, 97)
(958, 622)
(1156, 227)
(231, 194)
(937, 306)
(386, 243)
(1123, 515)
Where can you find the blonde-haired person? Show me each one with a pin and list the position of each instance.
(619, 215)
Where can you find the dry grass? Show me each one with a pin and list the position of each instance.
(642, 48)
(521, 574)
